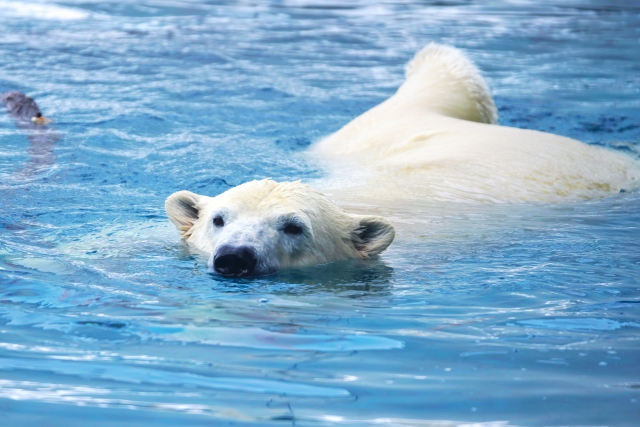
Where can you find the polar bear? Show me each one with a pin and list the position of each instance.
(435, 139)
(262, 226)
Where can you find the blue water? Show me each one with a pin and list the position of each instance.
(499, 315)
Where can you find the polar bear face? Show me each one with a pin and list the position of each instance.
(260, 227)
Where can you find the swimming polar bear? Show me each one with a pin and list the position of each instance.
(436, 138)
(262, 226)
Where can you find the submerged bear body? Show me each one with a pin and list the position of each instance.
(435, 139)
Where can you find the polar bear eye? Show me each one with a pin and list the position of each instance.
(292, 229)
(218, 221)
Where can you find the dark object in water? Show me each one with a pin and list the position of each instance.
(23, 108)
(28, 117)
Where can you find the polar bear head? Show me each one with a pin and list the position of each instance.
(262, 226)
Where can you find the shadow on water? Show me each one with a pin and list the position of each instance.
(349, 279)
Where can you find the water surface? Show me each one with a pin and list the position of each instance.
(499, 314)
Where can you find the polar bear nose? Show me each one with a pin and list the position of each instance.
(235, 261)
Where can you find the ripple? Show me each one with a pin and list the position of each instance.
(260, 338)
(135, 375)
(578, 324)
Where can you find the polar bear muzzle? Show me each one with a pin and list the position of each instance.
(235, 261)
(260, 227)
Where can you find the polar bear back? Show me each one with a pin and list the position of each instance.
(474, 161)
(435, 139)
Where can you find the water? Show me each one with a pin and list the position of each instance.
(496, 314)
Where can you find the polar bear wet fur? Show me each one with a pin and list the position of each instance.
(434, 139)
(262, 226)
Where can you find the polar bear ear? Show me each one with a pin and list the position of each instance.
(372, 234)
(182, 209)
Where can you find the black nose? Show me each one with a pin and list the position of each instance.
(235, 261)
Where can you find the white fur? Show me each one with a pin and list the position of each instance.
(436, 138)
(256, 213)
